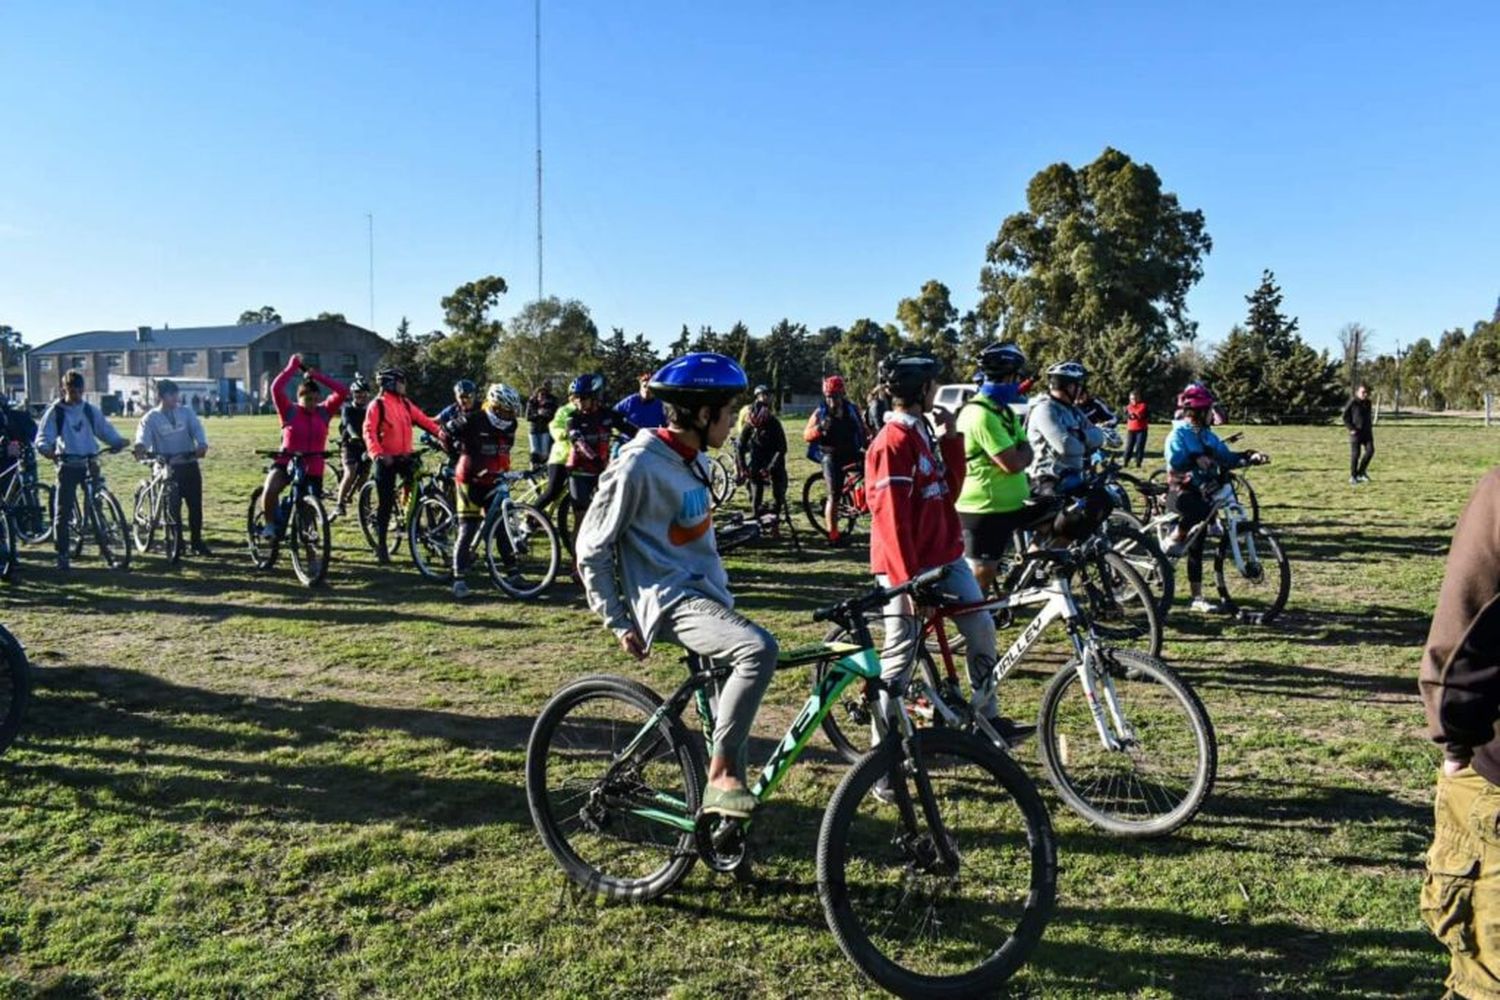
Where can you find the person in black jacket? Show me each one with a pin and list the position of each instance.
(762, 453)
(1361, 427)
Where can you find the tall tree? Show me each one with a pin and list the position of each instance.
(1267, 323)
(265, 314)
(930, 323)
(551, 338)
(12, 352)
(1102, 248)
(858, 353)
(330, 317)
(1237, 372)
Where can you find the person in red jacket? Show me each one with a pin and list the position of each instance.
(913, 476)
(1136, 423)
(388, 422)
(304, 428)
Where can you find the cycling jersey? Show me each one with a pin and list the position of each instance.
(589, 434)
(642, 412)
(352, 424)
(559, 431)
(305, 428)
(483, 440)
(1061, 437)
(913, 524)
(388, 423)
(988, 430)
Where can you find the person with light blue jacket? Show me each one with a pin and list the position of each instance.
(1195, 455)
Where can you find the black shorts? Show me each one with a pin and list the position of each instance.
(355, 456)
(987, 537)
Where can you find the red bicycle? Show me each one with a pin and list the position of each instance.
(852, 502)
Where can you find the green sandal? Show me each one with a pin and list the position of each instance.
(737, 803)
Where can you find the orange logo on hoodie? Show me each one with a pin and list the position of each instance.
(693, 519)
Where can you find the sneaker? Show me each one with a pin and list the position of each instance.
(883, 792)
(736, 803)
(200, 548)
(460, 590)
(1204, 606)
(516, 580)
(382, 556)
(338, 512)
(1176, 550)
(1353, 480)
(1364, 477)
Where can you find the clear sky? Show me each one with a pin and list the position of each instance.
(712, 162)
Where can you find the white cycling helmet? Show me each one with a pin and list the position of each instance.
(1067, 371)
(502, 397)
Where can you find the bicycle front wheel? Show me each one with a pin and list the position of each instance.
(15, 687)
(309, 542)
(262, 549)
(1164, 758)
(143, 519)
(1118, 603)
(721, 481)
(171, 528)
(952, 905)
(34, 512)
(1145, 556)
(848, 725)
(431, 533)
(815, 503)
(535, 552)
(599, 811)
(1255, 585)
(111, 530)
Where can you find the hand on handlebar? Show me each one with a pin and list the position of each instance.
(632, 643)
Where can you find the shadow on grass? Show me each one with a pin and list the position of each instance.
(1262, 677)
(169, 754)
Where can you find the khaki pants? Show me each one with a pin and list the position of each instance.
(1461, 891)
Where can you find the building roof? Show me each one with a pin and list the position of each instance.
(170, 339)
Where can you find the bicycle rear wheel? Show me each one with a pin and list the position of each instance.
(262, 549)
(34, 507)
(431, 533)
(15, 687)
(1257, 585)
(536, 553)
(911, 923)
(1145, 556)
(9, 556)
(111, 530)
(587, 799)
(308, 541)
(1168, 757)
(815, 501)
(721, 481)
(1118, 603)
(142, 518)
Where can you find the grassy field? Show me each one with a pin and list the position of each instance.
(229, 785)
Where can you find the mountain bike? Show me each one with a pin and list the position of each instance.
(15, 687)
(943, 892)
(723, 483)
(32, 504)
(520, 543)
(401, 510)
(301, 522)
(1251, 572)
(156, 511)
(1125, 741)
(98, 514)
(852, 503)
(1155, 497)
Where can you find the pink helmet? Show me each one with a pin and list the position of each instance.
(1195, 397)
(833, 385)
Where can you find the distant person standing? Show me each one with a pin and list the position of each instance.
(1137, 422)
(1460, 685)
(1360, 423)
(540, 409)
(641, 408)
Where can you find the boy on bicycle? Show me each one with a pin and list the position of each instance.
(837, 432)
(913, 475)
(70, 432)
(483, 439)
(651, 527)
(173, 432)
(304, 428)
(991, 505)
(1195, 457)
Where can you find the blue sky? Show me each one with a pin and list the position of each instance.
(707, 163)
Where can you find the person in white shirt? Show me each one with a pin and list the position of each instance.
(173, 432)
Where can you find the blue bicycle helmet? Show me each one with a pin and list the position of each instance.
(698, 379)
(586, 385)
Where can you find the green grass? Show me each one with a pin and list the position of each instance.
(230, 785)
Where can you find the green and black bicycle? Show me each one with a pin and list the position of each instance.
(936, 863)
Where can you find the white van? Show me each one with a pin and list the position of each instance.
(953, 397)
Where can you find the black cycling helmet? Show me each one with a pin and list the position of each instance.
(388, 377)
(999, 361)
(465, 387)
(358, 384)
(905, 374)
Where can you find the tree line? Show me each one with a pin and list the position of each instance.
(1454, 374)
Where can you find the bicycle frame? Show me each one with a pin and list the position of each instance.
(855, 662)
(1225, 507)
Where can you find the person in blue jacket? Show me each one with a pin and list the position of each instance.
(1195, 456)
(641, 408)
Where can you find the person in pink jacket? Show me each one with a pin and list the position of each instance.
(304, 428)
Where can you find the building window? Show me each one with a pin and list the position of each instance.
(312, 360)
(78, 361)
(228, 357)
(113, 360)
(46, 364)
(186, 358)
(153, 358)
(348, 364)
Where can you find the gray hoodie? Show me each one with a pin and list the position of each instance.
(176, 433)
(651, 518)
(1061, 437)
(82, 427)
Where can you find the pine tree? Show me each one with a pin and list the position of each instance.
(1267, 323)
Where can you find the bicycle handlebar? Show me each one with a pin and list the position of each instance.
(878, 596)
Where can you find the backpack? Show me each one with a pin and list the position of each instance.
(57, 417)
(1008, 420)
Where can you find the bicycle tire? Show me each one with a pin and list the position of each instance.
(262, 550)
(168, 502)
(852, 842)
(722, 485)
(308, 541)
(15, 694)
(1118, 604)
(1242, 490)
(814, 499)
(1262, 542)
(111, 530)
(680, 759)
(567, 531)
(1061, 750)
(142, 518)
(431, 533)
(847, 724)
(9, 553)
(34, 514)
(534, 542)
(1145, 556)
(365, 502)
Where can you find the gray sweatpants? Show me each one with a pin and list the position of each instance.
(902, 632)
(709, 629)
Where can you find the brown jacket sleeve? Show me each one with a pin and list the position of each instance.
(1460, 675)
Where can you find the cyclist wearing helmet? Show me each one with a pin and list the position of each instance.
(651, 528)
(589, 431)
(174, 432)
(1195, 456)
(641, 408)
(483, 439)
(557, 458)
(304, 428)
(837, 435)
(1061, 435)
(352, 440)
(540, 409)
(996, 454)
(762, 452)
(388, 424)
(914, 475)
(465, 397)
